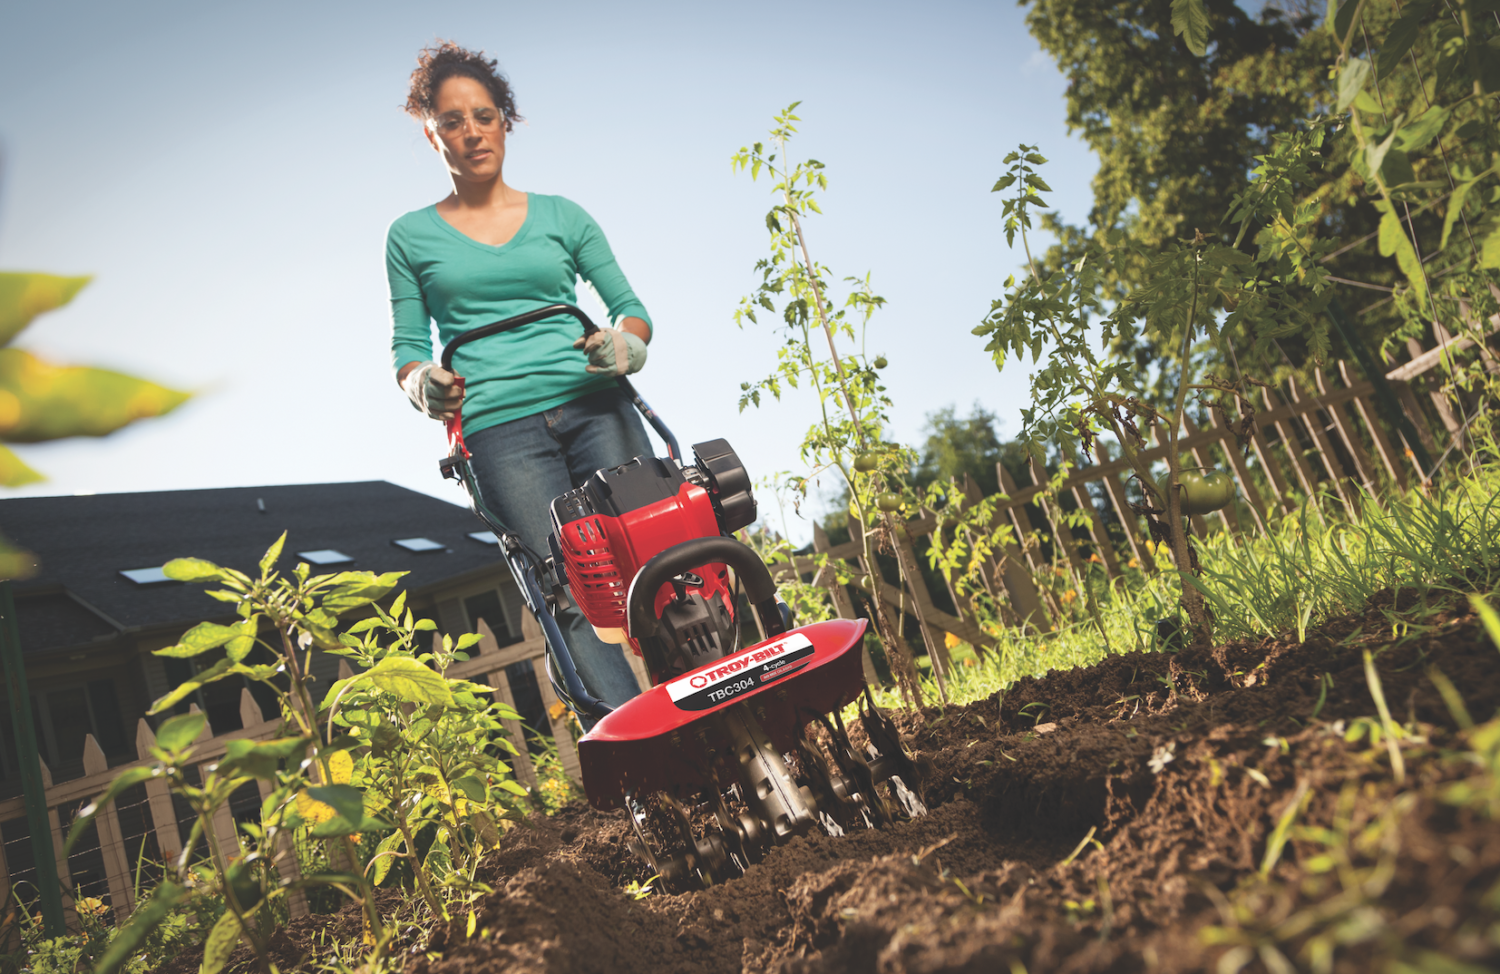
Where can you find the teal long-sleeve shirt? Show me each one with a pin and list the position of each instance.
(438, 274)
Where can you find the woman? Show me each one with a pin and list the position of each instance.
(542, 410)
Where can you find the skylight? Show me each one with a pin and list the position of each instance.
(484, 537)
(418, 544)
(146, 576)
(325, 556)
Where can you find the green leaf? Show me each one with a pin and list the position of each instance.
(1343, 20)
(1375, 154)
(409, 680)
(1396, 169)
(123, 945)
(218, 671)
(338, 825)
(126, 779)
(471, 786)
(1401, 35)
(50, 402)
(513, 788)
(347, 800)
(268, 561)
(178, 732)
(1489, 251)
(15, 473)
(1352, 78)
(222, 940)
(1190, 22)
(1455, 210)
(198, 640)
(191, 570)
(1394, 242)
(1422, 130)
(383, 864)
(261, 760)
(24, 296)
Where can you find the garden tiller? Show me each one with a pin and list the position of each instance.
(732, 750)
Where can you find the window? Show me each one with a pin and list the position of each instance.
(487, 606)
(146, 576)
(484, 537)
(418, 544)
(325, 556)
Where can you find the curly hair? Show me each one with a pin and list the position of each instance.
(437, 64)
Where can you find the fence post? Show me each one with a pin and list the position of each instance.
(1308, 412)
(842, 603)
(111, 840)
(1349, 435)
(63, 872)
(1116, 490)
(1435, 393)
(1288, 433)
(1395, 469)
(562, 736)
(158, 797)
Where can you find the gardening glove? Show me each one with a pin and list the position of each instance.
(613, 351)
(432, 391)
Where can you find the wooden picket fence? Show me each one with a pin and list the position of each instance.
(1302, 442)
(146, 824)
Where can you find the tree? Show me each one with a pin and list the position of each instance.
(1178, 136)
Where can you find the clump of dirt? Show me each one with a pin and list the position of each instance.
(1232, 807)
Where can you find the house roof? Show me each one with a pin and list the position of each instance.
(84, 543)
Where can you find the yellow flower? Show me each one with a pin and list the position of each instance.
(557, 710)
(1133, 563)
(1069, 597)
(1095, 559)
(950, 640)
(91, 906)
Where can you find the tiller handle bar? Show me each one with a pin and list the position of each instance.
(523, 564)
(539, 314)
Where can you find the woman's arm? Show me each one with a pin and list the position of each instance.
(637, 327)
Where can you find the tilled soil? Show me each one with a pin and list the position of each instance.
(1177, 769)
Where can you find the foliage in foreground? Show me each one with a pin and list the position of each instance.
(40, 401)
(397, 764)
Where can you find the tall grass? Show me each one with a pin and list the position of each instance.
(1312, 565)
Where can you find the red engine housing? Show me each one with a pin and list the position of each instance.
(606, 530)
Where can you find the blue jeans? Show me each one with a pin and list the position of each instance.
(525, 463)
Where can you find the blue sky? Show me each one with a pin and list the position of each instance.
(228, 173)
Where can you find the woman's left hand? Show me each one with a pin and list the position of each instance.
(613, 351)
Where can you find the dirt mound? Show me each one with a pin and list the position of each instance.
(1214, 809)
(1177, 768)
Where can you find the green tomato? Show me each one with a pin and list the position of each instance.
(880, 362)
(866, 462)
(888, 502)
(1202, 493)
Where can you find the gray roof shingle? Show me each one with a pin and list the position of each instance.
(83, 543)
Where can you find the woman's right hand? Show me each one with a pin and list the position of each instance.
(433, 391)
